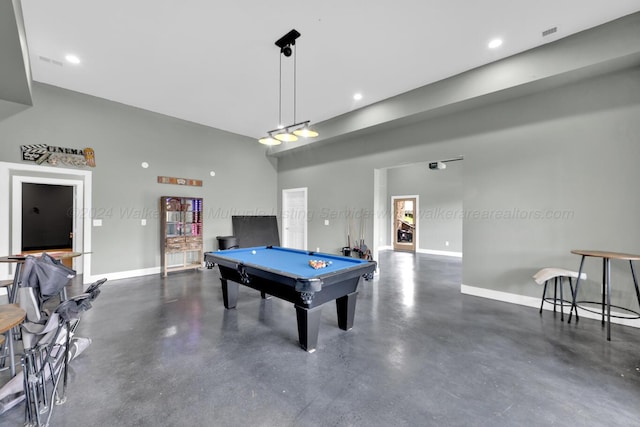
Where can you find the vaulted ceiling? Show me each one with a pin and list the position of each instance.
(215, 63)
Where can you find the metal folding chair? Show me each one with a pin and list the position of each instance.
(47, 352)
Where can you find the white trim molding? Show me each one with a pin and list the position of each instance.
(82, 180)
(78, 205)
(416, 215)
(291, 216)
(427, 251)
(535, 302)
(442, 253)
(123, 274)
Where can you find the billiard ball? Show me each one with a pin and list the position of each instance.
(253, 252)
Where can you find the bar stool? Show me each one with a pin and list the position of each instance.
(558, 275)
(7, 285)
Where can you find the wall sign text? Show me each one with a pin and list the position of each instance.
(58, 156)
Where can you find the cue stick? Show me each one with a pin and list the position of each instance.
(361, 229)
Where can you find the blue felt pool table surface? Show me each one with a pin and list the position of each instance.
(292, 262)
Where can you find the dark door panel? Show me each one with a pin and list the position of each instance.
(47, 221)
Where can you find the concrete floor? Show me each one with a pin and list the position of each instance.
(165, 352)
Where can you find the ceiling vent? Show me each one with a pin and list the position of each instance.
(549, 31)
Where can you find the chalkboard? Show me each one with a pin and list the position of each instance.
(256, 230)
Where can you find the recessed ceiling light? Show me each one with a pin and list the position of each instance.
(72, 59)
(495, 43)
(357, 96)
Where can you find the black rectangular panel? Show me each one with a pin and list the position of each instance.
(256, 230)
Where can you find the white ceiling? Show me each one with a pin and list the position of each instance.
(215, 62)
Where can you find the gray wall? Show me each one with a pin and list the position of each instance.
(123, 192)
(543, 174)
(550, 140)
(335, 194)
(440, 202)
(15, 84)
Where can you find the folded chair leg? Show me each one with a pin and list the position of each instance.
(27, 390)
(65, 365)
(42, 383)
(32, 390)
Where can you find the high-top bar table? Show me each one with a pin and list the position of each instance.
(19, 260)
(606, 283)
(11, 316)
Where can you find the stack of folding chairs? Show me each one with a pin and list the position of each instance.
(48, 334)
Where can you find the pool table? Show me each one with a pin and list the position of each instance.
(285, 273)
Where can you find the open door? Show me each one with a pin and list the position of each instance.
(47, 220)
(12, 176)
(404, 223)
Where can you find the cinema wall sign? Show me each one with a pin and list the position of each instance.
(58, 156)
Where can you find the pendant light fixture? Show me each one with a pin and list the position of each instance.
(305, 131)
(289, 133)
(269, 140)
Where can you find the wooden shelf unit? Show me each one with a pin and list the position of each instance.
(181, 233)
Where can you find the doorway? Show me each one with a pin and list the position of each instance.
(47, 220)
(404, 223)
(41, 199)
(294, 218)
(12, 175)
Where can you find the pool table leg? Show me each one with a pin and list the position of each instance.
(229, 293)
(308, 327)
(346, 307)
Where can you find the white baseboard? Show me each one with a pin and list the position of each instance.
(442, 253)
(535, 302)
(122, 274)
(427, 251)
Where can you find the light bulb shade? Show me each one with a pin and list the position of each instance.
(286, 137)
(306, 132)
(269, 140)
